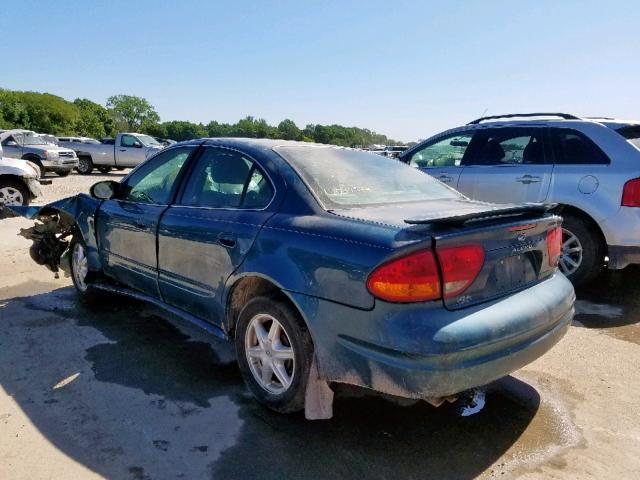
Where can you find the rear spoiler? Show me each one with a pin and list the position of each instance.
(491, 212)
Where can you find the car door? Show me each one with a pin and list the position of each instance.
(507, 165)
(127, 226)
(205, 236)
(442, 157)
(129, 151)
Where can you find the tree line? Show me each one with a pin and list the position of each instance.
(46, 113)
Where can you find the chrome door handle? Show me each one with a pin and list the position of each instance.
(527, 179)
(445, 178)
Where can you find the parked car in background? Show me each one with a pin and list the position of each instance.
(590, 167)
(65, 140)
(18, 181)
(393, 151)
(127, 150)
(27, 145)
(308, 254)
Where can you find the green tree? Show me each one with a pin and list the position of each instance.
(288, 130)
(132, 111)
(94, 120)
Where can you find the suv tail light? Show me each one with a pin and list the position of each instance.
(413, 278)
(554, 245)
(631, 193)
(416, 278)
(460, 267)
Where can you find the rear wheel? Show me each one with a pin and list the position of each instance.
(582, 257)
(13, 193)
(274, 351)
(85, 165)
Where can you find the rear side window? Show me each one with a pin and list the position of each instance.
(507, 146)
(571, 147)
(631, 133)
(226, 179)
(447, 152)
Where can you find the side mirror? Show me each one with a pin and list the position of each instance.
(11, 143)
(105, 190)
(137, 144)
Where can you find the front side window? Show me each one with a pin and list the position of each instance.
(447, 152)
(129, 141)
(155, 181)
(226, 179)
(573, 148)
(342, 177)
(507, 146)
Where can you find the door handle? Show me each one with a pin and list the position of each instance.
(226, 240)
(527, 179)
(445, 178)
(123, 149)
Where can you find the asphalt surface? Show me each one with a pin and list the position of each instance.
(120, 389)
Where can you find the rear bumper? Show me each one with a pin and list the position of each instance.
(621, 256)
(424, 352)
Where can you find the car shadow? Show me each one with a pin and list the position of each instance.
(150, 398)
(611, 303)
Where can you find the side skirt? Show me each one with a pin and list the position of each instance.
(218, 332)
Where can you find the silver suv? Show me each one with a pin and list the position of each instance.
(590, 167)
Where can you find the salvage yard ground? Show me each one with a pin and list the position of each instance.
(123, 390)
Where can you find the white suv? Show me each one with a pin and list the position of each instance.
(590, 167)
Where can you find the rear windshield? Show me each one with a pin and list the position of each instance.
(342, 177)
(631, 133)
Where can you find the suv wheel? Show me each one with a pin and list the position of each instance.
(80, 273)
(85, 165)
(14, 193)
(582, 257)
(274, 351)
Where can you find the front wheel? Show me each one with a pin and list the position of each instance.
(85, 165)
(80, 273)
(14, 193)
(582, 257)
(274, 351)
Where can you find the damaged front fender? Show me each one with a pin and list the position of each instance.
(56, 225)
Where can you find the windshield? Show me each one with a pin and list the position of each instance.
(342, 177)
(30, 139)
(631, 133)
(148, 141)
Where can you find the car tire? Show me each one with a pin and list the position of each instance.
(583, 246)
(104, 170)
(85, 165)
(14, 193)
(64, 174)
(81, 276)
(287, 350)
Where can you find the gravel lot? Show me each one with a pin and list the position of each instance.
(122, 390)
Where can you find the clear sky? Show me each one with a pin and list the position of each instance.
(405, 69)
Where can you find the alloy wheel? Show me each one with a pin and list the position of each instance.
(270, 354)
(11, 196)
(571, 256)
(80, 266)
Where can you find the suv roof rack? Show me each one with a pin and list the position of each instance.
(565, 116)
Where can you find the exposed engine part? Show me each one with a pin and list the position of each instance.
(51, 236)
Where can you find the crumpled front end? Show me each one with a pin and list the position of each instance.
(55, 226)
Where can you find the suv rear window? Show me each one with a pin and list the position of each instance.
(631, 133)
(573, 148)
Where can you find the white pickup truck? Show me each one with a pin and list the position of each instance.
(127, 150)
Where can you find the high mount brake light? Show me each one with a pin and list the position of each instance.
(554, 245)
(415, 277)
(631, 193)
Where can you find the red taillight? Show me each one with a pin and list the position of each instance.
(554, 245)
(460, 267)
(631, 193)
(413, 278)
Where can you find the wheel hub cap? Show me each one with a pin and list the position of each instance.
(10, 196)
(270, 354)
(80, 266)
(571, 256)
